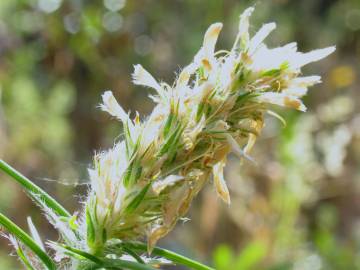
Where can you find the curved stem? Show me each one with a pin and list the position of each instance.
(176, 258)
(35, 192)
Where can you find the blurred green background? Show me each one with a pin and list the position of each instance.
(298, 209)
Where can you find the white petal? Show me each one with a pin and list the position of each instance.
(202, 92)
(297, 91)
(306, 81)
(96, 183)
(290, 47)
(227, 71)
(267, 59)
(243, 35)
(211, 37)
(111, 106)
(260, 36)
(185, 74)
(219, 181)
(205, 56)
(282, 99)
(170, 180)
(299, 86)
(313, 56)
(143, 77)
(34, 233)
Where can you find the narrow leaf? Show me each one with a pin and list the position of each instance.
(137, 200)
(34, 233)
(27, 241)
(90, 230)
(170, 141)
(168, 124)
(132, 173)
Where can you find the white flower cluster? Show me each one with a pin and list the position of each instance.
(146, 182)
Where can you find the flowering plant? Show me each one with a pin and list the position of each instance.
(146, 182)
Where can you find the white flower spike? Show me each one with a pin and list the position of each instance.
(144, 184)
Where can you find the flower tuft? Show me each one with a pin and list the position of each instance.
(144, 184)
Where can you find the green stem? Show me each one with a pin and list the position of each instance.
(35, 192)
(133, 254)
(174, 257)
(27, 241)
(121, 264)
(101, 263)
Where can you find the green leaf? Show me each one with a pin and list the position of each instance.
(170, 145)
(172, 120)
(271, 73)
(275, 71)
(72, 223)
(33, 191)
(137, 174)
(132, 173)
(27, 241)
(137, 200)
(285, 65)
(90, 229)
(168, 124)
(127, 174)
(128, 140)
(172, 151)
(200, 110)
(104, 235)
(243, 97)
(77, 253)
(201, 72)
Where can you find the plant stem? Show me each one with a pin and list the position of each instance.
(176, 258)
(121, 264)
(133, 254)
(33, 190)
(27, 241)
(107, 263)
